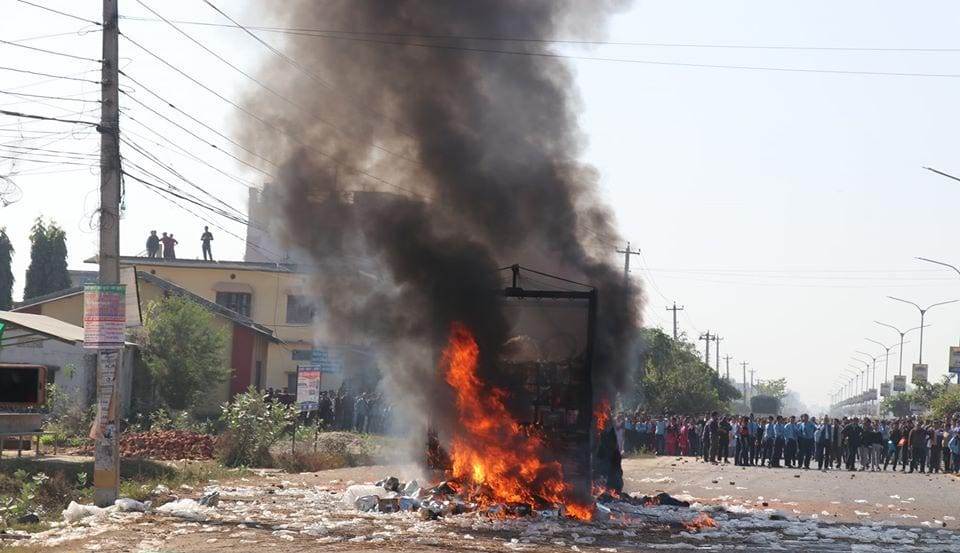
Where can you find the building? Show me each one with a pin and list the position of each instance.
(266, 305)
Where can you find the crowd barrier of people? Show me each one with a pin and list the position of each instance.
(856, 443)
(367, 412)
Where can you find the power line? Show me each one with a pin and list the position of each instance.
(45, 51)
(584, 42)
(300, 67)
(58, 12)
(270, 125)
(58, 162)
(271, 90)
(51, 75)
(64, 98)
(81, 32)
(201, 123)
(45, 118)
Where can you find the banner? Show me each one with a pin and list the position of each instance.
(900, 383)
(954, 364)
(308, 387)
(919, 373)
(104, 316)
(885, 389)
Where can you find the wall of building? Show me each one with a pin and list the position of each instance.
(68, 309)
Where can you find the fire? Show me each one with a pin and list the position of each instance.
(703, 520)
(602, 414)
(492, 454)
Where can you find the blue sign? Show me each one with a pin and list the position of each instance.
(326, 360)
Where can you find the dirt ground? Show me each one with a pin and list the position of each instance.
(305, 512)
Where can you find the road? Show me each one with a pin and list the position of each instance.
(903, 499)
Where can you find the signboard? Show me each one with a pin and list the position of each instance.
(308, 387)
(104, 316)
(899, 383)
(885, 389)
(919, 373)
(954, 365)
(327, 361)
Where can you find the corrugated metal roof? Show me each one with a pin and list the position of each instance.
(43, 325)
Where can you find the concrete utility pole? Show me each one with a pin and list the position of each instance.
(717, 339)
(727, 358)
(106, 471)
(706, 337)
(626, 260)
(751, 382)
(675, 309)
(744, 365)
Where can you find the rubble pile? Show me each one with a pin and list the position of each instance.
(168, 445)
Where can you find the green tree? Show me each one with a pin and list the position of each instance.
(6, 273)
(924, 396)
(773, 388)
(947, 403)
(48, 260)
(184, 350)
(672, 377)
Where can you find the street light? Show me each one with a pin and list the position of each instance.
(941, 262)
(886, 367)
(873, 359)
(902, 334)
(923, 312)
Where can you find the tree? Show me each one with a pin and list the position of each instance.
(6, 273)
(185, 351)
(48, 260)
(773, 388)
(926, 395)
(672, 377)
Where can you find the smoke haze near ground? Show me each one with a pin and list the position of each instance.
(437, 166)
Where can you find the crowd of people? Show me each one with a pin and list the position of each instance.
(166, 246)
(366, 412)
(851, 443)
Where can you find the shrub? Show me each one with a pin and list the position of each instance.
(253, 424)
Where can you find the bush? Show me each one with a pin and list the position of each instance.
(68, 419)
(253, 425)
(947, 403)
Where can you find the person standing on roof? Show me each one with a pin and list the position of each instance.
(206, 238)
(153, 245)
(169, 245)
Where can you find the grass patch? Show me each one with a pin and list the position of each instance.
(332, 450)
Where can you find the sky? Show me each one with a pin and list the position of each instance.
(780, 208)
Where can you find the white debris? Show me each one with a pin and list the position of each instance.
(187, 509)
(357, 491)
(76, 512)
(664, 480)
(125, 505)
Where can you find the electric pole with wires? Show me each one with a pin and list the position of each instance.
(675, 309)
(706, 337)
(103, 303)
(626, 261)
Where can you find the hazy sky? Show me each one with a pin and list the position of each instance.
(779, 207)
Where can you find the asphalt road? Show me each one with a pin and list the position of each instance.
(905, 499)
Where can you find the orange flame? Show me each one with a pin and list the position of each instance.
(601, 414)
(501, 463)
(703, 520)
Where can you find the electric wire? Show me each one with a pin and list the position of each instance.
(51, 75)
(45, 118)
(274, 92)
(47, 97)
(53, 52)
(81, 32)
(58, 12)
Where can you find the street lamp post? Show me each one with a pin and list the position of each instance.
(902, 333)
(941, 262)
(923, 313)
(886, 367)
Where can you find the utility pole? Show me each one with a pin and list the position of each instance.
(727, 358)
(706, 337)
(751, 382)
(626, 260)
(675, 309)
(744, 365)
(717, 339)
(106, 472)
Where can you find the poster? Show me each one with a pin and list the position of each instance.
(885, 389)
(919, 373)
(107, 365)
(308, 387)
(900, 383)
(954, 365)
(328, 361)
(104, 316)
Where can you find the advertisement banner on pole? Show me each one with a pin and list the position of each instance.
(919, 373)
(104, 316)
(308, 387)
(954, 364)
(885, 389)
(900, 383)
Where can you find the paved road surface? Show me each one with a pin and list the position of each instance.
(905, 499)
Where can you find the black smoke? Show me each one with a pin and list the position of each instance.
(436, 166)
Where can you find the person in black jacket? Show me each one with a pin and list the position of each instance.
(852, 433)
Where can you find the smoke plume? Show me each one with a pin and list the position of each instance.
(414, 166)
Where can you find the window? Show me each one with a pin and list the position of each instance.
(236, 301)
(299, 310)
